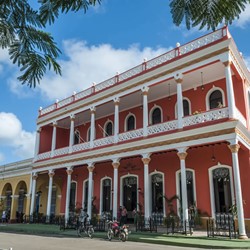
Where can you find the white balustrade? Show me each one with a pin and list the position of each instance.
(162, 127)
(203, 41)
(104, 141)
(211, 115)
(81, 146)
(105, 84)
(65, 102)
(130, 135)
(132, 72)
(160, 59)
(196, 44)
(43, 156)
(48, 109)
(240, 117)
(84, 93)
(61, 151)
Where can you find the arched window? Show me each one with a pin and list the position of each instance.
(186, 108)
(77, 137)
(215, 99)
(130, 123)
(157, 192)
(108, 129)
(156, 116)
(106, 195)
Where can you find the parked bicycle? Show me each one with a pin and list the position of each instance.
(83, 230)
(114, 230)
(82, 227)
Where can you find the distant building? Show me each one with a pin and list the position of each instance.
(178, 124)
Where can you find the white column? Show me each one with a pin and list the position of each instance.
(37, 142)
(33, 194)
(51, 174)
(238, 193)
(230, 90)
(178, 79)
(72, 134)
(146, 161)
(53, 144)
(91, 168)
(92, 126)
(116, 165)
(145, 110)
(116, 129)
(69, 173)
(182, 156)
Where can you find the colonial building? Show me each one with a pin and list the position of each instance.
(15, 183)
(178, 124)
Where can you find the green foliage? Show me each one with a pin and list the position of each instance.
(22, 33)
(206, 13)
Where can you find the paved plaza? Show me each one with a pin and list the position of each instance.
(31, 242)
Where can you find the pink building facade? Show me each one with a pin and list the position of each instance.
(178, 124)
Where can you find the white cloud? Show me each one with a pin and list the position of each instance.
(87, 64)
(20, 142)
(4, 59)
(244, 18)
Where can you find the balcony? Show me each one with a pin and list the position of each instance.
(145, 67)
(202, 118)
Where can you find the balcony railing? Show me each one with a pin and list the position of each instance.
(200, 118)
(155, 62)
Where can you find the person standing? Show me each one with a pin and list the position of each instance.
(123, 216)
(4, 216)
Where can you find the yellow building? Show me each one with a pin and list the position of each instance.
(15, 180)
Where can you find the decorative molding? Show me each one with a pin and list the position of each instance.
(146, 161)
(234, 148)
(182, 155)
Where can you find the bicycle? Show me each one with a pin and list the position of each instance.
(83, 230)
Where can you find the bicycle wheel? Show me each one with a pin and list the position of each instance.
(80, 231)
(109, 234)
(91, 232)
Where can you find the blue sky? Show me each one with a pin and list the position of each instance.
(109, 38)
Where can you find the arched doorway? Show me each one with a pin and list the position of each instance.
(7, 194)
(222, 190)
(157, 193)
(129, 191)
(21, 191)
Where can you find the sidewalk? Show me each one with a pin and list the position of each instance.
(197, 240)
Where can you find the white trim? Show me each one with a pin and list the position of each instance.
(76, 131)
(121, 188)
(83, 191)
(151, 113)
(214, 88)
(189, 103)
(101, 193)
(126, 119)
(211, 186)
(104, 132)
(163, 191)
(88, 134)
(177, 179)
